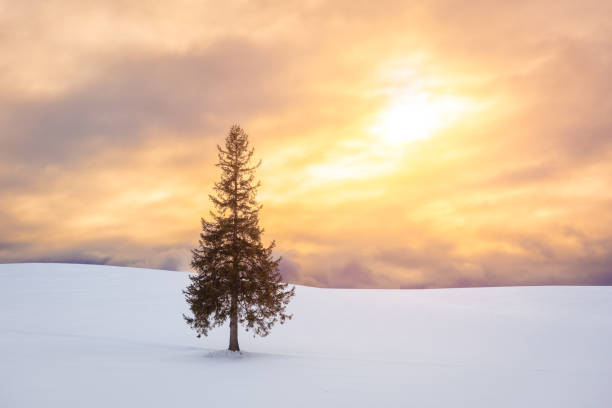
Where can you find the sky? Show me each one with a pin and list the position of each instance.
(404, 144)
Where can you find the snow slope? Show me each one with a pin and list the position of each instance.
(98, 336)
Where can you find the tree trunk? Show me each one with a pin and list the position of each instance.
(233, 342)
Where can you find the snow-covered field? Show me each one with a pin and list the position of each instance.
(97, 336)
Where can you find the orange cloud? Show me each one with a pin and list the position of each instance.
(431, 145)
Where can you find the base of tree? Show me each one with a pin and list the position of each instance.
(225, 354)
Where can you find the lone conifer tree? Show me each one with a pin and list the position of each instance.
(237, 277)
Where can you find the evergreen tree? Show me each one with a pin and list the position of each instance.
(237, 276)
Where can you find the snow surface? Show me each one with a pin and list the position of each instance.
(98, 336)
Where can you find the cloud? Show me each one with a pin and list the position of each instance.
(108, 123)
(290, 271)
(103, 253)
(139, 94)
(352, 275)
(539, 264)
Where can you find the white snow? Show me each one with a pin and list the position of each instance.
(98, 336)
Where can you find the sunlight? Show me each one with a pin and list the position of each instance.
(409, 117)
(416, 116)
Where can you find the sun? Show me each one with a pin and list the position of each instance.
(416, 116)
(410, 116)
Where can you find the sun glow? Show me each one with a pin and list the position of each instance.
(416, 116)
(410, 116)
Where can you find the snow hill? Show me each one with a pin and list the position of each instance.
(98, 336)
